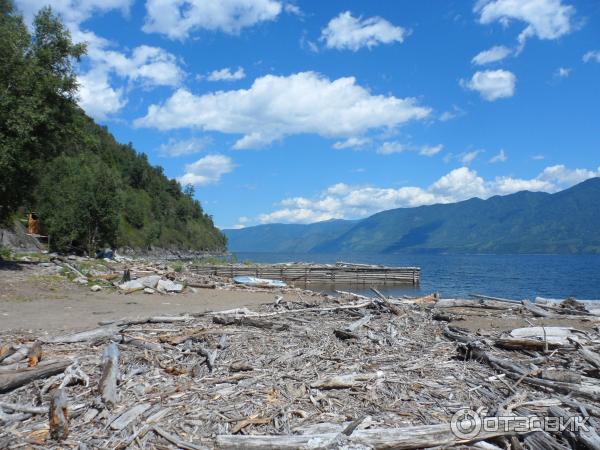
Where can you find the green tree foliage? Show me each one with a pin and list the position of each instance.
(80, 202)
(37, 86)
(89, 189)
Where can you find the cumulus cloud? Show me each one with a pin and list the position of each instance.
(593, 55)
(207, 170)
(346, 201)
(278, 106)
(226, 74)
(146, 65)
(500, 157)
(351, 142)
(546, 19)
(431, 150)
(97, 97)
(391, 147)
(494, 54)
(175, 147)
(346, 32)
(492, 84)
(177, 19)
(72, 11)
(452, 114)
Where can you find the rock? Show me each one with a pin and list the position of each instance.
(81, 280)
(169, 286)
(148, 291)
(96, 288)
(72, 257)
(25, 259)
(150, 281)
(130, 286)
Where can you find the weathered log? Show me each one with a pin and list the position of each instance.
(393, 308)
(346, 381)
(59, 416)
(588, 437)
(6, 351)
(359, 323)
(129, 416)
(211, 357)
(536, 310)
(412, 437)
(110, 375)
(21, 377)
(177, 441)
(249, 321)
(17, 407)
(111, 332)
(17, 355)
(35, 354)
(485, 304)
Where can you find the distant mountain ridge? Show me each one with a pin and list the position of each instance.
(525, 222)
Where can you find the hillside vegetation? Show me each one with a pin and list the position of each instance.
(89, 190)
(525, 222)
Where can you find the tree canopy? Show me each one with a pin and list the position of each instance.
(89, 189)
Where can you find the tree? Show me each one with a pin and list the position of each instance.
(37, 87)
(79, 203)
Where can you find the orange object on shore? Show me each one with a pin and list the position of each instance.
(33, 223)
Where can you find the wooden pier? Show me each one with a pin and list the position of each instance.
(340, 273)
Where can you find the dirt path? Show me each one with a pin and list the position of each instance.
(31, 301)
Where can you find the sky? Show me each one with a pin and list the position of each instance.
(301, 111)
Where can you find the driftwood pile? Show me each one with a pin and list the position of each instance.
(354, 372)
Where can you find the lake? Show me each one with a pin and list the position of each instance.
(509, 276)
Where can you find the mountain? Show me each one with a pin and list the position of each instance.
(525, 222)
(280, 237)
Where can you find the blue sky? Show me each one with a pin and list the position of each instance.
(281, 111)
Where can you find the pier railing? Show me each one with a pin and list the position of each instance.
(341, 273)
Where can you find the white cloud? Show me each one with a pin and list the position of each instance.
(146, 65)
(190, 146)
(468, 157)
(546, 19)
(494, 54)
(345, 201)
(207, 170)
(151, 66)
(97, 97)
(351, 142)
(177, 19)
(226, 74)
(500, 157)
(278, 106)
(431, 150)
(346, 32)
(492, 84)
(593, 55)
(538, 157)
(74, 11)
(562, 72)
(453, 114)
(391, 147)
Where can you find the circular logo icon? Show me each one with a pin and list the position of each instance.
(465, 424)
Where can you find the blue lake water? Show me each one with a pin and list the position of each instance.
(509, 276)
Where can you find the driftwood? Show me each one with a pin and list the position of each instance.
(110, 375)
(481, 303)
(249, 321)
(21, 377)
(412, 437)
(393, 308)
(59, 416)
(588, 438)
(345, 381)
(111, 332)
(16, 355)
(129, 416)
